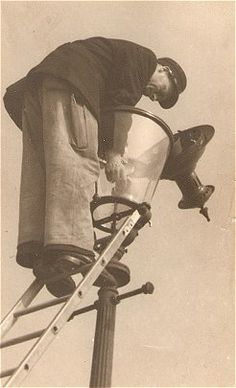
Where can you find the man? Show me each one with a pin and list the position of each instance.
(63, 107)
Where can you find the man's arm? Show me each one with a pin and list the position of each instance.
(115, 145)
(133, 67)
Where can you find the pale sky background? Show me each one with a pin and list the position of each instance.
(183, 334)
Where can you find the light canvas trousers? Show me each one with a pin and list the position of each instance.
(59, 168)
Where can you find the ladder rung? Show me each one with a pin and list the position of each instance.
(41, 306)
(20, 339)
(23, 302)
(7, 372)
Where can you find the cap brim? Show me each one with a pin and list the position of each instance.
(171, 101)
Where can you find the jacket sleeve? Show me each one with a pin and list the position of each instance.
(133, 67)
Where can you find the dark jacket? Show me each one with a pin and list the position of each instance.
(102, 72)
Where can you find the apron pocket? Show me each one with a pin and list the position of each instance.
(79, 135)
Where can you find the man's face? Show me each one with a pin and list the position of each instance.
(159, 87)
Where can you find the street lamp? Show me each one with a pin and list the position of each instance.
(150, 152)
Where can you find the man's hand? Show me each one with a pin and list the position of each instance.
(115, 167)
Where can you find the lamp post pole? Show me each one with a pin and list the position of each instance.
(101, 371)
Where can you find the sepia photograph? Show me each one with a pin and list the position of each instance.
(117, 194)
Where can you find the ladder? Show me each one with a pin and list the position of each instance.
(69, 304)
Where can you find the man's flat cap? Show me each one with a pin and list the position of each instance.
(178, 79)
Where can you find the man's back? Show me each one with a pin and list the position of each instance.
(101, 71)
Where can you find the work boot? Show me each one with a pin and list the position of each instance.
(29, 253)
(56, 270)
(119, 274)
(62, 287)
